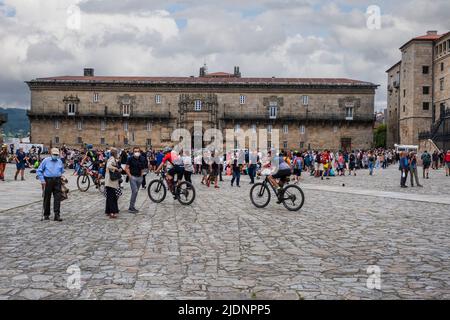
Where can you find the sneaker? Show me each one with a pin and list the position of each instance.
(133, 210)
(57, 218)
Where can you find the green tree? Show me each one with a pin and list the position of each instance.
(379, 136)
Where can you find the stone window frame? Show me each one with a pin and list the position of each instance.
(269, 128)
(57, 124)
(198, 105)
(427, 89)
(305, 100)
(96, 97)
(79, 125)
(427, 104)
(103, 125)
(302, 129)
(285, 144)
(441, 84)
(149, 126)
(102, 141)
(79, 140)
(56, 139)
(126, 110)
(237, 127)
(125, 126)
(285, 128)
(158, 99)
(242, 99)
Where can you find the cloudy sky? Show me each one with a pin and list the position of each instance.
(283, 38)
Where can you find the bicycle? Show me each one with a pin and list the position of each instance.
(84, 182)
(290, 195)
(184, 191)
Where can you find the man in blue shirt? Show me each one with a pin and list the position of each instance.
(404, 168)
(49, 173)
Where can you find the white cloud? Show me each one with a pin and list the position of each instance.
(287, 38)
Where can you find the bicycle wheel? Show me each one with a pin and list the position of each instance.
(185, 193)
(157, 191)
(83, 183)
(293, 198)
(260, 195)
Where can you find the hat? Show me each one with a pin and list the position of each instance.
(55, 151)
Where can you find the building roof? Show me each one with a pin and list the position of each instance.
(427, 37)
(203, 80)
(400, 62)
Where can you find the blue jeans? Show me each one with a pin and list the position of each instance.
(370, 168)
(252, 172)
(237, 177)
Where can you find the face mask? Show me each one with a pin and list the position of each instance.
(137, 154)
(54, 158)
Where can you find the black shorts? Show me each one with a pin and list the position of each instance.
(283, 173)
(178, 171)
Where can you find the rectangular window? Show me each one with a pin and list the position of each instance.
(149, 142)
(349, 113)
(273, 112)
(71, 109)
(302, 145)
(149, 126)
(302, 129)
(442, 66)
(198, 105)
(425, 69)
(102, 141)
(80, 125)
(426, 106)
(285, 128)
(57, 124)
(158, 99)
(441, 84)
(426, 90)
(126, 110)
(103, 125)
(242, 99)
(269, 128)
(285, 145)
(56, 139)
(133, 137)
(404, 93)
(305, 100)
(80, 140)
(96, 97)
(237, 127)
(404, 108)
(125, 126)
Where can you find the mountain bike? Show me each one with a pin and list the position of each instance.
(184, 191)
(290, 195)
(84, 180)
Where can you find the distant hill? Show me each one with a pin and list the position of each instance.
(18, 124)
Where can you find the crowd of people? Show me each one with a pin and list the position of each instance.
(135, 164)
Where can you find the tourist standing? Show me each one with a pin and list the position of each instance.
(112, 186)
(3, 161)
(20, 159)
(188, 166)
(404, 165)
(50, 173)
(236, 167)
(413, 169)
(426, 161)
(135, 170)
(447, 163)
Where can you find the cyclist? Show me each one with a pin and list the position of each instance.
(283, 172)
(174, 166)
(92, 161)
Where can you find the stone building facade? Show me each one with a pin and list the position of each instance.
(418, 88)
(144, 111)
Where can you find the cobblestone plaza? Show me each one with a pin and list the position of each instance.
(221, 247)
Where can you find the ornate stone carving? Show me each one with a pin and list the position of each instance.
(349, 102)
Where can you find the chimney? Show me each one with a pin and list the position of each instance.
(88, 72)
(432, 33)
(237, 73)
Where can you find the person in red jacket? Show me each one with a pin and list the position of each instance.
(447, 163)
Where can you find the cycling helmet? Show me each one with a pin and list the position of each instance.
(167, 150)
